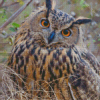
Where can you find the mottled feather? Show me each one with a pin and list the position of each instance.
(61, 69)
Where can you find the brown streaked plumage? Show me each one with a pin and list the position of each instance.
(52, 58)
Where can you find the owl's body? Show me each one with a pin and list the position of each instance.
(50, 55)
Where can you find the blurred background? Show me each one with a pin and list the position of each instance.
(86, 8)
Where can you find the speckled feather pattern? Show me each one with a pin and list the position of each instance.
(57, 71)
(53, 67)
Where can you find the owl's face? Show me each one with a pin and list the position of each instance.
(56, 26)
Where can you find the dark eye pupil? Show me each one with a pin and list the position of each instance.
(45, 23)
(65, 32)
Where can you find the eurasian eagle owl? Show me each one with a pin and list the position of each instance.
(50, 54)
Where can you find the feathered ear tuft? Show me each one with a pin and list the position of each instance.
(50, 5)
(82, 20)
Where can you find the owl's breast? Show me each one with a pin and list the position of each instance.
(56, 65)
(51, 63)
(46, 63)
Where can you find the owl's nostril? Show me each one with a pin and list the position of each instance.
(51, 37)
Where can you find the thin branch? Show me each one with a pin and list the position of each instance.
(15, 15)
(1, 3)
(8, 35)
(4, 53)
(4, 43)
(10, 4)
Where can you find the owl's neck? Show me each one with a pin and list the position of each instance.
(24, 36)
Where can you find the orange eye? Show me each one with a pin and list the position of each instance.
(45, 23)
(66, 32)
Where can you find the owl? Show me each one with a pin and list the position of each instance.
(50, 55)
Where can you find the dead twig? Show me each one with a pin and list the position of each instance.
(6, 54)
(8, 35)
(15, 15)
(10, 4)
(1, 3)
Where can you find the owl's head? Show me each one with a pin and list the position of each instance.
(56, 26)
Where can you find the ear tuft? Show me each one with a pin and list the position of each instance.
(53, 4)
(82, 20)
(50, 5)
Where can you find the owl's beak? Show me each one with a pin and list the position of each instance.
(51, 37)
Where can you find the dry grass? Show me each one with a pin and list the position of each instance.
(8, 89)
